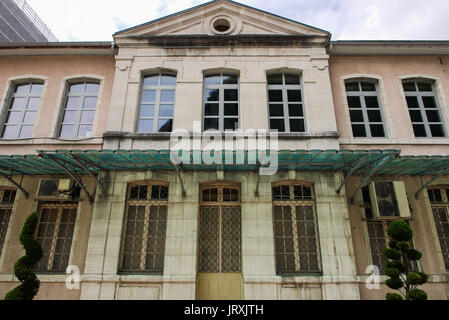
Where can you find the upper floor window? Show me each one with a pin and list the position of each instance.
(79, 110)
(364, 109)
(157, 103)
(439, 201)
(285, 102)
(22, 110)
(423, 108)
(221, 102)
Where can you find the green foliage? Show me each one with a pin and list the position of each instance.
(392, 272)
(400, 231)
(413, 279)
(403, 245)
(393, 244)
(394, 283)
(394, 296)
(413, 254)
(424, 278)
(23, 267)
(416, 294)
(392, 254)
(396, 265)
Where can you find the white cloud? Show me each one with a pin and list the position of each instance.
(97, 20)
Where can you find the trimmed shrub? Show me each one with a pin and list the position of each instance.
(394, 296)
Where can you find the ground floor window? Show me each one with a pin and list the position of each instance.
(7, 198)
(439, 200)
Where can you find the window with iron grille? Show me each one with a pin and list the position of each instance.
(7, 198)
(22, 110)
(221, 102)
(295, 230)
(285, 102)
(423, 109)
(144, 230)
(79, 110)
(55, 234)
(157, 103)
(439, 201)
(364, 109)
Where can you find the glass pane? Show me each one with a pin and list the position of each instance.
(437, 130)
(412, 102)
(73, 102)
(213, 79)
(292, 79)
(168, 96)
(67, 131)
(90, 102)
(294, 95)
(358, 130)
(10, 132)
(231, 109)
(165, 125)
(18, 103)
(377, 130)
(147, 111)
(409, 86)
(166, 110)
(356, 115)
(230, 79)
(297, 125)
(368, 86)
(92, 87)
(212, 95)
(210, 123)
(231, 123)
(275, 78)
(37, 88)
(231, 95)
(371, 102)
(30, 116)
(149, 96)
(354, 102)
(33, 103)
(433, 116)
(374, 116)
(70, 117)
(76, 88)
(87, 117)
(275, 95)
(295, 110)
(167, 80)
(14, 117)
(429, 102)
(416, 116)
(151, 80)
(352, 86)
(145, 126)
(420, 130)
(276, 110)
(211, 109)
(277, 124)
(22, 88)
(85, 131)
(424, 86)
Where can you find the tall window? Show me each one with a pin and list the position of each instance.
(143, 239)
(55, 234)
(423, 108)
(364, 109)
(79, 110)
(439, 200)
(221, 102)
(157, 103)
(7, 198)
(22, 110)
(285, 102)
(295, 230)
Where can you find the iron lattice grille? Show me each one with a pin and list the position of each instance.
(7, 198)
(439, 200)
(55, 234)
(143, 241)
(295, 230)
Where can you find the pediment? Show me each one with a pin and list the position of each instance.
(221, 17)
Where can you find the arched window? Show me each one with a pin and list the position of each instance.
(22, 110)
(364, 108)
(157, 103)
(7, 198)
(423, 108)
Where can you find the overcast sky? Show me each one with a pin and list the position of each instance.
(97, 20)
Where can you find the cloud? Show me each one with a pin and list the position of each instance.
(95, 20)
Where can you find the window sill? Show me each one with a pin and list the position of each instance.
(391, 141)
(32, 141)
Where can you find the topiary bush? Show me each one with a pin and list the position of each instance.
(23, 268)
(398, 268)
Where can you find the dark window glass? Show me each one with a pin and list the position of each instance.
(419, 130)
(275, 95)
(210, 123)
(354, 102)
(275, 78)
(358, 130)
(352, 86)
(297, 125)
(276, 110)
(277, 124)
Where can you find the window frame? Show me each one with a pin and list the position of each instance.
(421, 108)
(221, 87)
(9, 206)
(362, 94)
(285, 103)
(157, 103)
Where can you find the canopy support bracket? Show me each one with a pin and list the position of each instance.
(179, 173)
(350, 173)
(102, 185)
(438, 175)
(16, 184)
(256, 192)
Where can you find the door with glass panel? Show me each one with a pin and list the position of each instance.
(219, 256)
